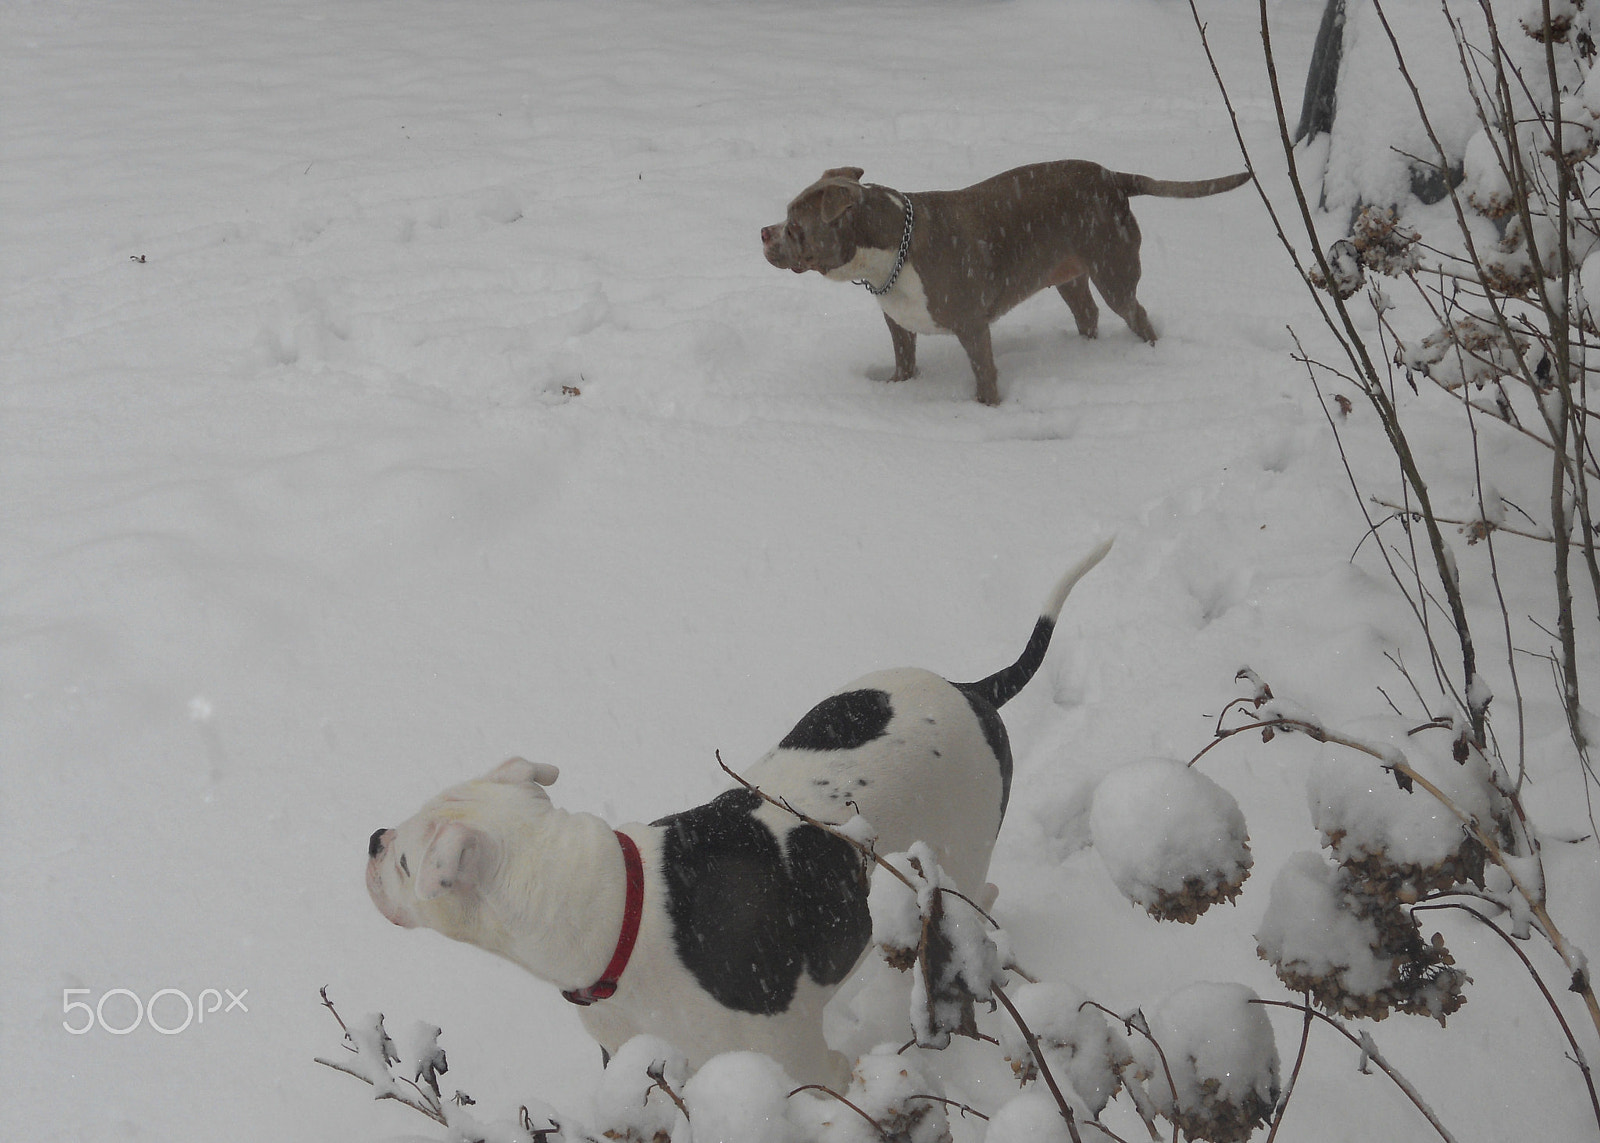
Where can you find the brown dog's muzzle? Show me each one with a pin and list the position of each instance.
(778, 248)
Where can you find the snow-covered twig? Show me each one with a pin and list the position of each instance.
(328, 1004)
(1474, 529)
(864, 848)
(1578, 1057)
(375, 1054)
(658, 1074)
(1369, 1050)
(376, 1073)
(1136, 1022)
(396, 1095)
(964, 1109)
(1038, 1058)
(828, 1091)
(1294, 1074)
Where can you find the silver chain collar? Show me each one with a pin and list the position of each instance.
(900, 259)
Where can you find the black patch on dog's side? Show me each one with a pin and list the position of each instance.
(994, 733)
(832, 924)
(842, 722)
(725, 884)
(744, 922)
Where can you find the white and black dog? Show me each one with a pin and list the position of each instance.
(728, 926)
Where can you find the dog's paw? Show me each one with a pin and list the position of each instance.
(886, 375)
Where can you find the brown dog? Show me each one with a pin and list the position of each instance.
(954, 261)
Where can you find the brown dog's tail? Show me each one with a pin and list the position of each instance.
(1132, 185)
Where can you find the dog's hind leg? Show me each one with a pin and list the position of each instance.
(1115, 271)
(1118, 286)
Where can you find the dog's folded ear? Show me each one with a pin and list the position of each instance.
(514, 771)
(454, 860)
(852, 173)
(839, 195)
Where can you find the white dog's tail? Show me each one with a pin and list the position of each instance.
(1002, 686)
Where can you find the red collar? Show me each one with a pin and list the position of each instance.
(632, 910)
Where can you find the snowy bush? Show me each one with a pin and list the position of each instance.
(1314, 941)
(1210, 1064)
(1378, 241)
(1401, 846)
(1489, 300)
(740, 1097)
(1356, 955)
(1082, 1050)
(632, 1105)
(372, 1056)
(1173, 840)
(891, 1096)
(1225, 1081)
(1030, 1118)
(950, 946)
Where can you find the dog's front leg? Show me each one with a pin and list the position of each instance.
(905, 350)
(980, 352)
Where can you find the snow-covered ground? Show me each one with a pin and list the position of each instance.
(388, 388)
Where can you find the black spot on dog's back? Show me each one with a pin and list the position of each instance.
(842, 722)
(745, 921)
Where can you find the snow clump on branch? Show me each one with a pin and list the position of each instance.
(630, 1104)
(1356, 954)
(1031, 1117)
(743, 1097)
(1216, 1075)
(901, 1098)
(951, 948)
(1173, 840)
(1318, 944)
(1347, 935)
(1078, 1045)
(1404, 844)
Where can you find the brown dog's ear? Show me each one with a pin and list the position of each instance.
(452, 860)
(838, 197)
(852, 173)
